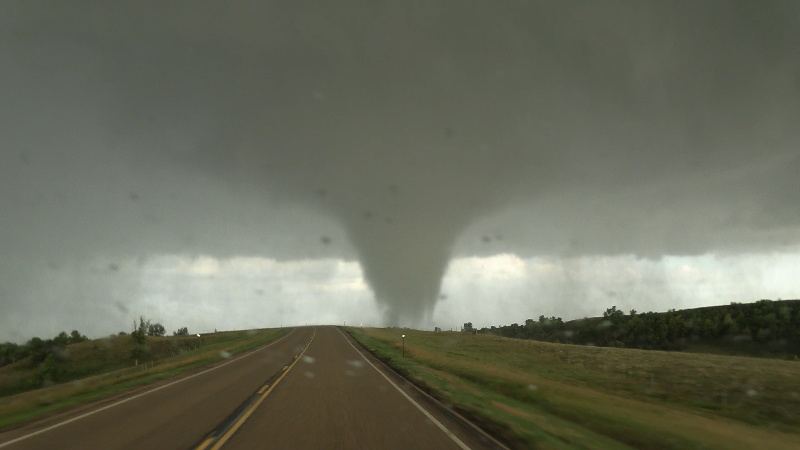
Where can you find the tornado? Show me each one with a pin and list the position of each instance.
(403, 123)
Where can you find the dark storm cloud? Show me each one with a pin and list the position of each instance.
(571, 127)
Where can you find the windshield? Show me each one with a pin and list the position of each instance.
(238, 165)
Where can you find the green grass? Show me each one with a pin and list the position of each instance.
(558, 396)
(103, 359)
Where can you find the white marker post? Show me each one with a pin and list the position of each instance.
(404, 346)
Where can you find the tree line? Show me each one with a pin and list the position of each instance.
(766, 326)
(38, 349)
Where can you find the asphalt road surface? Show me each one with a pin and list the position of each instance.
(328, 394)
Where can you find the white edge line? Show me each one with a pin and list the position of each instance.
(462, 418)
(413, 402)
(450, 411)
(60, 424)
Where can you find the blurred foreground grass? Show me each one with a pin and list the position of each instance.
(559, 396)
(103, 357)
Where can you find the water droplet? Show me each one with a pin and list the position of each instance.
(308, 359)
(356, 363)
(752, 392)
(224, 354)
(532, 387)
(309, 374)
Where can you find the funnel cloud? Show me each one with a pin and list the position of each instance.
(400, 134)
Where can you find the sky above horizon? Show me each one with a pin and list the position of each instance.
(166, 160)
(207, 294)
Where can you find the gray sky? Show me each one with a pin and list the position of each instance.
(393, 134)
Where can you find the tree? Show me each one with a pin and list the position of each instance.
(9, 353)
(38, 350)
(181, 332)
(76, 337)
(468, 327)
(139, 332)
(612, 328)
(62, 340)
(613, 314)
(156, 329)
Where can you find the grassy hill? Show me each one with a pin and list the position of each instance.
(561, 396)
(92, 357)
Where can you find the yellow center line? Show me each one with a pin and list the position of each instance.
(225, 437)
(263, 388)
(205, 444)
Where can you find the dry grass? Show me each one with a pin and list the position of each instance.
(585, 396)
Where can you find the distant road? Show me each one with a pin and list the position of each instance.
(334, 396)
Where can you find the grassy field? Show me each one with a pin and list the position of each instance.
(559, 396)
(108, 364)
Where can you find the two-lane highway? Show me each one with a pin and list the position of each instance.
(326, 394)
(334, 399)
